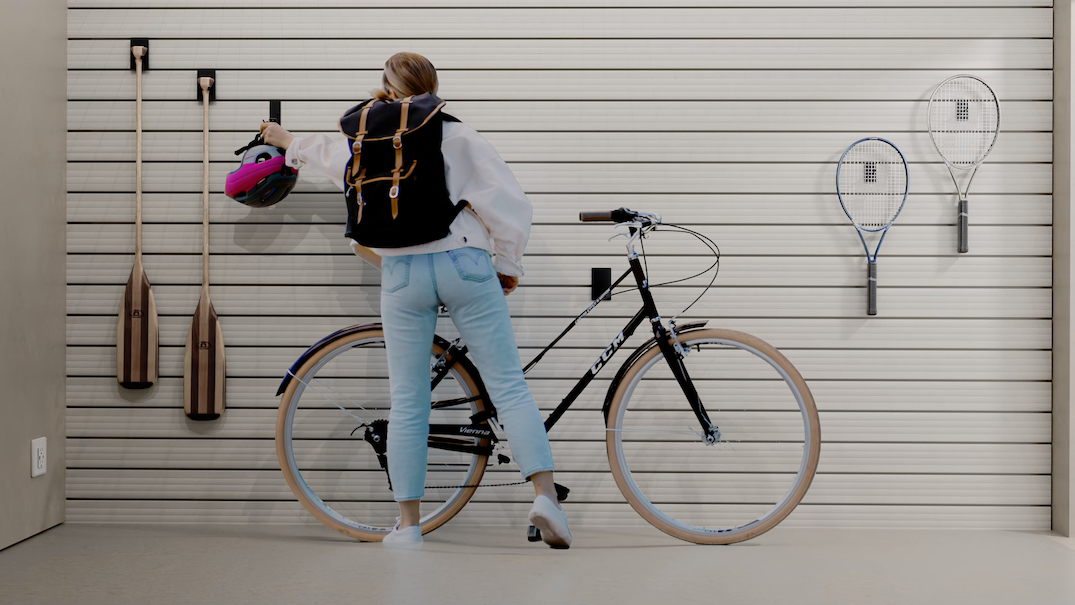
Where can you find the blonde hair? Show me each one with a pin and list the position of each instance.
(406, 74)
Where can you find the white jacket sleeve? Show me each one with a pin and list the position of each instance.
(321, 154)
(485, 181)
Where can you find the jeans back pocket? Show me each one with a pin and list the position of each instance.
(472, 264)
(395, 272)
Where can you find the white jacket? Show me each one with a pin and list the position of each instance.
(499, 215)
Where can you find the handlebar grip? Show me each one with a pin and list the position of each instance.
(591, 217)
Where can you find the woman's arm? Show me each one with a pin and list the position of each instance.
(323, 155)
(319, 153)
(478, 174)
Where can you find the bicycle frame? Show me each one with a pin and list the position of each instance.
(460, 437)
(662, 337)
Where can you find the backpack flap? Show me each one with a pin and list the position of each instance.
(395, 187)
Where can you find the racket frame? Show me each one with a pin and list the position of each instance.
(962, 221)
(871, 260)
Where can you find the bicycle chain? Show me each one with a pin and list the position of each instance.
(479, 485)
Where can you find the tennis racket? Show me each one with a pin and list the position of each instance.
(964, 120)
(871, 182)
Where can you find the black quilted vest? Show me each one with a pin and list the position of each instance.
(394, 183)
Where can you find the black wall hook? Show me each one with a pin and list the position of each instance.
(206, 73)
(145, 57)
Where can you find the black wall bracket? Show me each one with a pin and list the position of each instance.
(274, 111)
(206, 73)
(145, 57)
(600, 280)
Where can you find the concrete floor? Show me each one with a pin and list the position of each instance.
(115, 564)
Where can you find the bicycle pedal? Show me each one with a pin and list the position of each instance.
(561, 492)
(533, 534)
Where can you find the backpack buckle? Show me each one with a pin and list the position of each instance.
(356, 147)
(393, 192)
(397, 141)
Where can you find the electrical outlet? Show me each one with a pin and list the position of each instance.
(38, 461)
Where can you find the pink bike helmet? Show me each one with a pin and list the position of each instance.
(262, 178)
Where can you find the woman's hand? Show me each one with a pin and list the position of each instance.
(275, 134)
(508, 283)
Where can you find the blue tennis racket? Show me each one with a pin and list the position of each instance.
(871, 182)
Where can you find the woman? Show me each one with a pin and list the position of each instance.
(457, 271)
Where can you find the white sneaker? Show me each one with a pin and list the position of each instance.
(547, 516)
(408, 537)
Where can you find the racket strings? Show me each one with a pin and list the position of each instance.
(872, 183)
(964, 118)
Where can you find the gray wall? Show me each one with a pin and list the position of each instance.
(1062, 336)
(935, 413)
(33, 41)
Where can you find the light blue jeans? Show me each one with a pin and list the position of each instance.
(412, 288)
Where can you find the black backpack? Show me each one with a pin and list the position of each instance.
(394, 184)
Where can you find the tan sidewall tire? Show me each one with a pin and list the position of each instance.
(281, 421)
(812, 457)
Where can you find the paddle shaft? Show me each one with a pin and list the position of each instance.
(205, 83)
(139, 52)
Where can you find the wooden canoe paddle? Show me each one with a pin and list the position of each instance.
(204, 371)
(137, 355)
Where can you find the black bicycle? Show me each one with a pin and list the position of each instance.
(711, 434)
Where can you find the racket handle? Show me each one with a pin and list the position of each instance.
(963, 239)
(871, 288)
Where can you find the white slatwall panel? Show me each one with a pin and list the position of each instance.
(722, 114)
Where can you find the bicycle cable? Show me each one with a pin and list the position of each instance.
(715, 266)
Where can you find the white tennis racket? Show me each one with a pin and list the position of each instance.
(871, 182)
(964, 120)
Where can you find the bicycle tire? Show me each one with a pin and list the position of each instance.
(462, 371)
(620, 401)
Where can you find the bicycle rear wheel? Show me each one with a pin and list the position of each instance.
(334, 412)
(752, 477)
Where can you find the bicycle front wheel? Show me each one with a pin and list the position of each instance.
(752, 477)
(333, 416)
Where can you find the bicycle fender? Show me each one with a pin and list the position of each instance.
(317, 346)
(641, 350)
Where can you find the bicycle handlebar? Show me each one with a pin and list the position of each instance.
(619, 215)
(591, 217)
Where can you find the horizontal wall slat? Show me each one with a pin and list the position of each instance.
(658, 147)
(1007, 490)
(676, 115)
(345, 302)
(686, 209)
(204, 453)
(551, 23)
(534, 3)
(347, 270)
(555, 85)
(449, 55)
(852, 333)
(746, 240)
(538, 177)
(271, 362)
(942, 427)
(596, 516)
(950, 396)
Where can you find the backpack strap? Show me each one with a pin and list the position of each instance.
(397, 144)
(356, 148)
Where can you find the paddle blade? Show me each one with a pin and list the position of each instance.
(203, 365)
(136, 334)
